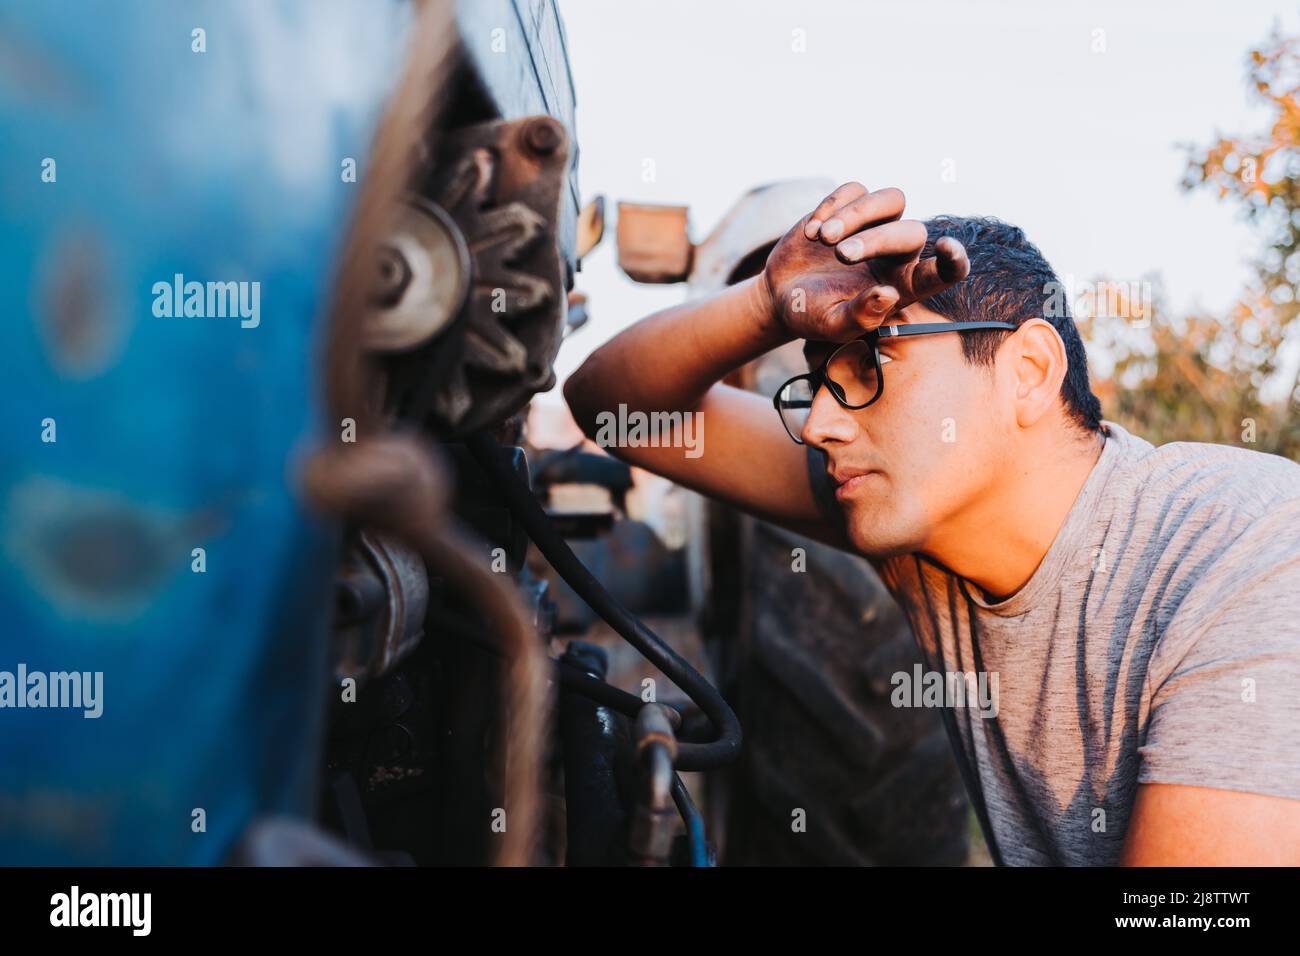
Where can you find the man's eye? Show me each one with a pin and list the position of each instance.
(884, 358)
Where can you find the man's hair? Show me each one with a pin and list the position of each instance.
(1010, 281)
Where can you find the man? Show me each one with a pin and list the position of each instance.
(1138, 607)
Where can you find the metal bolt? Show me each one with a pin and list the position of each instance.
(543, 136)
(394, 276)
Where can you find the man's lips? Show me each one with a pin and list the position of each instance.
(849, 480)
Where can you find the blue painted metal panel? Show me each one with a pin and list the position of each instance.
(172, 433)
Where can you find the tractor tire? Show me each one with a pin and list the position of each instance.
(831, 772)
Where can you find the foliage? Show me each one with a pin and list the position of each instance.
(1233, 378)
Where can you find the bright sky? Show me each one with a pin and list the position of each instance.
(1081, 149)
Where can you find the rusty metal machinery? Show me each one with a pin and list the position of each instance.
(382, 596)
(472, 296)
(423, 278)
(456, 295)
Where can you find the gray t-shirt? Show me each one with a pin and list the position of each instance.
(1157, 642)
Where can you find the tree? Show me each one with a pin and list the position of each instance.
(1228, 379)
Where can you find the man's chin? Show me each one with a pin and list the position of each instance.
(874, 538)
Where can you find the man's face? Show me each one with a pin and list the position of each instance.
(932, 443)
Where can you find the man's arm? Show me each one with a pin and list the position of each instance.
(672, 362)
(1176, 825)
(1220, 778)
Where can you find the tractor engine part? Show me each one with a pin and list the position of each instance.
(381, 595)
(473, 290)
(654, 822)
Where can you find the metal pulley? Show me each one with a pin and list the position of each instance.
(472, 291)
(423, 278)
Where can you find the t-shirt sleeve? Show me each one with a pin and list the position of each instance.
(1225, 676)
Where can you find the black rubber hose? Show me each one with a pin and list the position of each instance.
(595, 689)
(524, 505)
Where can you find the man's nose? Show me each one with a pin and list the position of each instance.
(828, 421)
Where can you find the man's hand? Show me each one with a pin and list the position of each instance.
(842, 269)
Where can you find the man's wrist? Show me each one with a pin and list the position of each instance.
(771, 330)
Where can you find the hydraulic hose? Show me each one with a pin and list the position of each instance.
(593, 688)
(525, 507)
(694, 822)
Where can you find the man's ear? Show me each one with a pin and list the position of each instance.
(1037, 367)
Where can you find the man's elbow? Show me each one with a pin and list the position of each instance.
(580, 393)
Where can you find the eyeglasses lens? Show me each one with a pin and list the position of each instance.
(851, 373)
(853, 369)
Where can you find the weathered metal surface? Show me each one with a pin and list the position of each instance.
(172, 433)
(383, 593)
(423, 279)
(654, 820)
(653, 244)
(517, 52)
(597, 754)
(591, 226)
(501, 185)
(395, 485)
(754, 222)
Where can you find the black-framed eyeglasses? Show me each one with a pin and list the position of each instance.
(852, 372)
